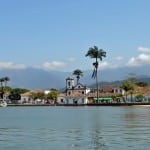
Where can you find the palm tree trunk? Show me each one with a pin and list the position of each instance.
(97, 87)
(1, 96)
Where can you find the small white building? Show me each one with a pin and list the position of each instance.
(119, 90)
(74, 94)
(26, 98)
(72, 99)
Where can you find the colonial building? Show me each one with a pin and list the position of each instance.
(74, 93)
(28, 97)
(112, 89)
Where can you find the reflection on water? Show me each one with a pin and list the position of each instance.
(75, 128)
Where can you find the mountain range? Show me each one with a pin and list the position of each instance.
(32, 78)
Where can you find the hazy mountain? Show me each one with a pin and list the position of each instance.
(37, 78)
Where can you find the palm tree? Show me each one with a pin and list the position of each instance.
(2, 88)
(6, 79)
(96, 53)
(3, 80)
(127, 86)
(78, 73)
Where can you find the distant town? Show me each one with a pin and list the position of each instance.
(129, 91)
(75, 93)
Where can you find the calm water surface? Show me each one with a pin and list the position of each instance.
(75, 128)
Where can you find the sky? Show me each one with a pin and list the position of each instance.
(56, 34)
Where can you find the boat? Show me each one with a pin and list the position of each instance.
(3, 103)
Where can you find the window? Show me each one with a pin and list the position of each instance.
(82, 100)
(82, 92)
(69, 83)
(67, 101)
(62, 100)
(75, 101)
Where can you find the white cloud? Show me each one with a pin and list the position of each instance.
(139, 60)
(71, 59)
(119, 58)
(11, 65)
(105, 65)
(144, 49)
(53, 65)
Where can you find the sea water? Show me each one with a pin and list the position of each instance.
(75, 128)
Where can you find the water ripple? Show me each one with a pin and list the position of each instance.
(79, 128)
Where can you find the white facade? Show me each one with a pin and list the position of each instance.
(119, 91)
(69, 83)
(75, 94)
(26, 98)
(63, 99)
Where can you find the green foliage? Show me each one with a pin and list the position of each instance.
(19, 91)
(115, 96)
(139, 96)
(53, 94)
(127, 86)
(7, 89)
(142, 84)
(4, 81)
(38, 95)
(78, 73)
(94, 52)
(15, 93)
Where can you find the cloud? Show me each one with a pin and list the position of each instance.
(142, 59)
(71, 59)
(106, 65)
(119, 58)
(144, 49)
(53, 65)
(11, 65)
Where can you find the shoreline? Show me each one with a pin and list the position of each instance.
(89, 104)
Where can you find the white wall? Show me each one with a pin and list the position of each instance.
(72, 100)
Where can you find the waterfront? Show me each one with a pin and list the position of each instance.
(76, 128)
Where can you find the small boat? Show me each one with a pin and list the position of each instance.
(3, 104)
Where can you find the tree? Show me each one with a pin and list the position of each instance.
(127, 86)
(139, 97)
(15, 94)
(96, 53)
(2, 81)
(7, 89)
(142, 84)
(6, 79)
(2, 88)
(78, 73)
(53, 95)
(19, 91)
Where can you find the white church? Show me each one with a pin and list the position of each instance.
(74, 94)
